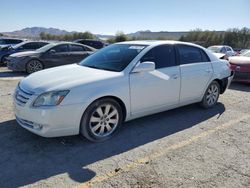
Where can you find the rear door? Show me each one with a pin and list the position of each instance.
(77, 53)
(196, 72)
(157, 89)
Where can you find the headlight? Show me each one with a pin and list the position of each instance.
(52, 98)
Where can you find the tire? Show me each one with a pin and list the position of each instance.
(211, 95)
(99, 117)
(3, 60)
(34, 65)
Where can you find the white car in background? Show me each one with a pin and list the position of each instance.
(119, 83)
(222, 49)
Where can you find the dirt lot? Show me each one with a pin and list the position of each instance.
(185, 147)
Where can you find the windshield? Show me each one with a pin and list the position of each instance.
(45, 48)
(115, 57)
(215, 49)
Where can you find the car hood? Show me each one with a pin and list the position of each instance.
(64, 77)
(240, 60)
(22, 54)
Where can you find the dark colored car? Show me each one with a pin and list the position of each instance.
(9, 41)
(51, 55)
(24, 46)
(93, 43)
(241, 66)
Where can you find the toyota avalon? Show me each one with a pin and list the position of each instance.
(119, 83)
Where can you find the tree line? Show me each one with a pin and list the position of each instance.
(237, 38)
(68, 37)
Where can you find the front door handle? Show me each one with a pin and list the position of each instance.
(208, 71)
(175, 76)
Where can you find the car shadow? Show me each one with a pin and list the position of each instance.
(26, 158)
(240, 86)
(11, 74)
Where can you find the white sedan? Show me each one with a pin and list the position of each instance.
(119, 83)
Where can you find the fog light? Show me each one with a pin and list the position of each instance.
(37, 126)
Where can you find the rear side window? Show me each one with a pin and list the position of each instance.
(162, 56)
(190, 54)
(76, 48)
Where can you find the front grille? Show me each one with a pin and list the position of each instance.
(242, 75)
(21, 96)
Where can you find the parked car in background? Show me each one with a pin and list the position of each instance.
(118, 83)
(9, 41)
(241, 66)
(222, 49)
(51, 55)
(23, 46)
(93, 43)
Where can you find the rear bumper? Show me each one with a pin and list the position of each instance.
(230, 78)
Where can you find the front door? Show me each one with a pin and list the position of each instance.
(157, 89)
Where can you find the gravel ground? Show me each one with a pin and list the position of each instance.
(185, 147)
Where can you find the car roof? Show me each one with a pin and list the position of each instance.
(158, 42)
(9, 38)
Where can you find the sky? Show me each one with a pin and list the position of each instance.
(110, 16)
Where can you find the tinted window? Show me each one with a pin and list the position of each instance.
(228, 49)
(190, 54)
(31, 46)
(162, 56)
(13, 41)
(94, 44)
(61, 48)
(76, 48)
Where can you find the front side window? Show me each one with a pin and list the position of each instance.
(162, 56)
(115, 57)
(190, 54)
(223, 50)
(60, 48)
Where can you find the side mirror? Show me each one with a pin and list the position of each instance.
(144, 67)
(52, 51)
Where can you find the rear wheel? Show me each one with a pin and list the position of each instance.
(34, 66)
(211, 95)
(101, 120)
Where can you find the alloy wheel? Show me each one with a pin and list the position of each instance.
(34, 66)
(104, 120)
(212, 94)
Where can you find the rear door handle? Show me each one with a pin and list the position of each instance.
(208, 71)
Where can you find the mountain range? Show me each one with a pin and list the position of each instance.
(34, 32)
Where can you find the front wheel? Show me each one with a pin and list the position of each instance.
(4, 60)
(34, 66)
(101, 120)
(211, 95)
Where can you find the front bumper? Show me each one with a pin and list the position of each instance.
(15, 64)
(62, 120)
